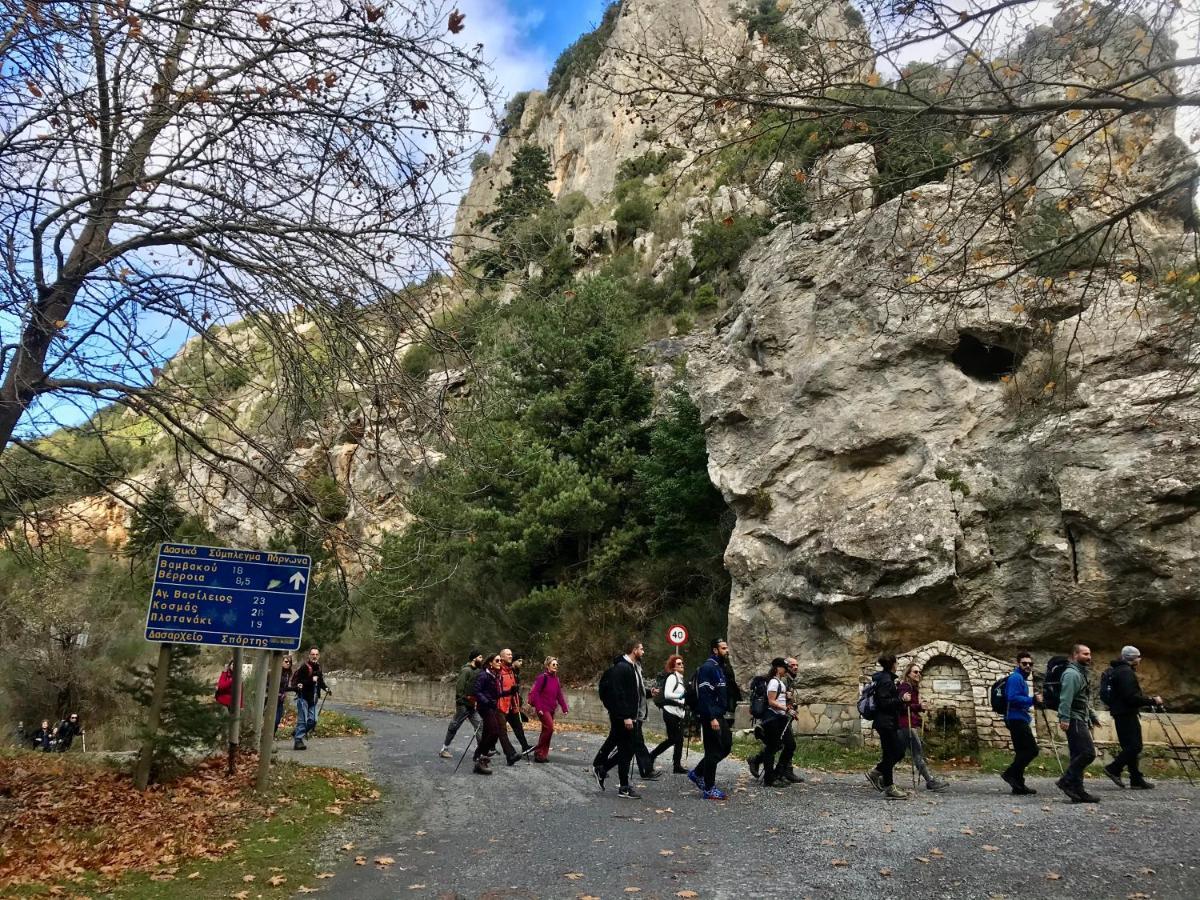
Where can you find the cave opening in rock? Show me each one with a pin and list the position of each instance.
(983, 361)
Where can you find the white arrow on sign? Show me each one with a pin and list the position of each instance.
(290, 616)
(297, 581)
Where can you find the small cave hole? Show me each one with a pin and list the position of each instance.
(983, 362)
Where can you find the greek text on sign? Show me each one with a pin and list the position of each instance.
(677, 635)
(223, 595)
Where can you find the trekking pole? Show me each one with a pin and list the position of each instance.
(1183, 744)
(1053, 741)
(912, 759)
(474, 737)
(324, 695)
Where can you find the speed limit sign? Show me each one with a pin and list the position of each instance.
(677, 635)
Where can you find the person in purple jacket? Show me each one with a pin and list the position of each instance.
(487, 695)
(910, 724)
(545, 697)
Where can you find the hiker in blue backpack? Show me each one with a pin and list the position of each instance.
(886, 723)
(1119, 688)
(712, 701)
(1019, 699)
(1076, 718)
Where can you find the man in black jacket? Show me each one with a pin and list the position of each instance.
(623, 696)
(1126, 699)
(887, 712)
(308, 681)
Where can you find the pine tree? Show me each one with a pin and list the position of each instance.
(525, 195)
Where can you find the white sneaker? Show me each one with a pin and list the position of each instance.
(445, 753)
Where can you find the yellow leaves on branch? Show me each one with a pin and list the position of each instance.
(1129, 278)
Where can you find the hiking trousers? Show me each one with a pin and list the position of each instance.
(893, 752)
(674, 739)
(623, 740)
(1129, 733)
(717, 744)
(493, 728)
(1082, 750)
(1025, 748)
(462, 713)
(910, 741)
(777, 739)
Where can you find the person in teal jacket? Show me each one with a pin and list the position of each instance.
(1077, 718)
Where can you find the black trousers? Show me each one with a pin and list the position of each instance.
(618, 749)
(893, 752)
(1025, 748)
(1129, 733)
(777, 738)
(717, 744)
(514, 722)
(674, 739)
(493, 728)
(1082, 750)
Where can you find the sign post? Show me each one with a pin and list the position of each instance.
(677, 635)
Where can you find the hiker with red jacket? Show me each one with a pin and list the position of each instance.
(910, 724)
(225, 687)
(545, 697)
(510, 699)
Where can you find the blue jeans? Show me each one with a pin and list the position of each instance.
(306, 717)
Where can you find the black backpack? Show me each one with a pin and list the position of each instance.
(998, 696)
(660, 699)
(1106, 686)
(758, 697)
(691, 692)
(1052, 685)
(605, 688)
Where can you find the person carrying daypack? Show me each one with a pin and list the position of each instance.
(464, 701)
(712, 702)
(777, 729)
(885, 707)
(1076, 718)
(66, 732)
(1123, 694)
(624, 695)
(672, 689)
(1017, 710)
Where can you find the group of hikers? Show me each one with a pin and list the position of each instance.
(50, 739)
(488, 695)
(306, 681)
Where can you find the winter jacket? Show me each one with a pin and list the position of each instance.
(285, 684)
(486, 690)
(628, 699)
(1127, 696)
(672, 696)
(911, 708)
(1075, 695)
(1018, 698)
(887, 701)
(309, 681)
(225, 689)
(464, 684)
(547, 694)
(733, 693)
(712, 691)
(66, 733)
(510, 690)
(43, 739)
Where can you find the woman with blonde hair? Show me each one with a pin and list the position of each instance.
(545, 697)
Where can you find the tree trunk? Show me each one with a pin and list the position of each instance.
(141, 775)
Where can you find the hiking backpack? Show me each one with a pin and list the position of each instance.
(660, 699)
(758, 697)
(998, 696)
(605, 687)
(1052, 684)
(1106, 686)
(866, 701)
(691, 692)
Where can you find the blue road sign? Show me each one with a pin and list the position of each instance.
(222, 595)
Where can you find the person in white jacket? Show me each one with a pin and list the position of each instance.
(673, 713)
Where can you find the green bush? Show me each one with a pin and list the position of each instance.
(1051, 242)
(327, 498)
(652, 162)
(1183, 288)
(718, 247)
(705, 298)
(479, 160)
(578, 60)
(514, 109)
(635, 214)
(570, 205)
(418, 362)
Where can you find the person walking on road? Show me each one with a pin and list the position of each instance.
(285, 688)
(887, 724)
(1019, 700)
(1125, 699)
(909, 690)
(464, 701)
(545, 697)
(1077, 718)
(510, 699)
(486, 691)
(308, 681)
(777, 731)
(623, 694)
(712, 702)
(225, 686)
(674, 711)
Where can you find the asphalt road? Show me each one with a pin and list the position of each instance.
(547, 831)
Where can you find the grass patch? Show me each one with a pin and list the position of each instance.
(330, 723)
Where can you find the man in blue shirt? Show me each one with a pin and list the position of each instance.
(1018, 718)
(711, 704)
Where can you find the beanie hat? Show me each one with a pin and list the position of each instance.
(474, 653)
(1130, 653)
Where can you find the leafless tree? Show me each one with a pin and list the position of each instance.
(265, 179)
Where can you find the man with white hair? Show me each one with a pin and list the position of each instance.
(1125, 698)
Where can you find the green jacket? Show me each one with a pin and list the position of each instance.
(1075, 695)
(464, 683)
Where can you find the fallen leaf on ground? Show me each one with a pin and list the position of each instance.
(990, 848)
(416, 887)
(1146, 871)
(840, 862)
(687, 895)
(633, 890)
(194, 875)
(324, 874)
(240, 895)
(885, 872)
(666, 852)
(303, 889)
(349, 846)
(921, 859)
(360, 860)
(662, 811)
(276, 880)
(383, 860)
(248, 878)
(1053, 876)
(966, 831)
(574, 876)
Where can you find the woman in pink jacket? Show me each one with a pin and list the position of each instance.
(545, 696)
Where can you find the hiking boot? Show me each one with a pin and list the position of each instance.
(936, 786)
(876, 778)
(652, 775)
(1085, 797)
(299, 745)
(755, 767)
(894, 793)
(1141, 784)
(679, 770)
(514, 759)
(695, 779)
(1011, 781)
(445, 753)
(1069, 789)
(713, 794)
(1114, 777)
(1022, 790)
(789, 776)
(481, 767)
(628, 793)
(599, 774)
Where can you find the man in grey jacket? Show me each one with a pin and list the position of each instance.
(1077, 718)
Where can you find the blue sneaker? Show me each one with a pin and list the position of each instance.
(714, 794)
(695, 779)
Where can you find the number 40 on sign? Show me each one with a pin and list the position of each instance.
(677, 635)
